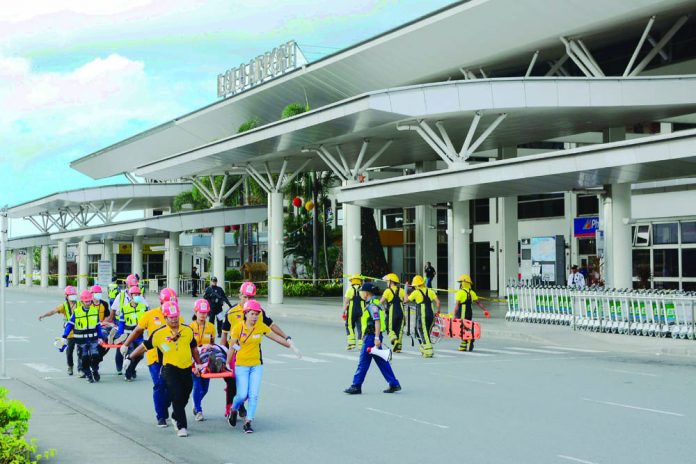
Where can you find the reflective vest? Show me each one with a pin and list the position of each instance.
(130, 315)
(366, 321)
(467, 302)
(427, 304)
(68, 314)
(395, 303)
(85, 322)
(356, 303)
(113, 291)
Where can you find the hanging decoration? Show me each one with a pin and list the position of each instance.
(297, 202)
(309, 206)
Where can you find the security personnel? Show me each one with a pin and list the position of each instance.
(127, 322)
(393, 296)
(465, 296)
(113, 292)
(424, 299)
(215, 296)
(84, 323)
(353, 307)
(372, 322)
(66, 309)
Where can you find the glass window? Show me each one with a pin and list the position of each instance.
(665, 234)
(666, 263)
(482, 211)
(641, 235)
(689, 286)
(641, 264)
(587, 246)
(540, 206)
(587, 205)
(688, 232)
(666, 285)
(689, 262)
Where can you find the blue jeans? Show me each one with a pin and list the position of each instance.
(160, 395)
(200, 389)
(364, 364)
(248, 386)
(429, 282)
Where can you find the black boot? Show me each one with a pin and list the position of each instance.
(353, 390)
(393, 389)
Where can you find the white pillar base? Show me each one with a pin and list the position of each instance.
(275, 247)
(173, 263)
(352, 238)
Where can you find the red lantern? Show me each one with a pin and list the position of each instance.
(235, 226)
(227, 229)
(297, 202)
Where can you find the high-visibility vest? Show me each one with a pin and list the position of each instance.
(85, 322)
(366, 317)
(67, 310)
(113, 291)
(130, 315)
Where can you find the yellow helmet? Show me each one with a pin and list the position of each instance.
(391, 277)
(465, 278)
(355, 279)
(418, 281)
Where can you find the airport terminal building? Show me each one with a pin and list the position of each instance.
(499, 138)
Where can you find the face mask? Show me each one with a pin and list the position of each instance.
(72, 297)
(97, 296)
(138, 299)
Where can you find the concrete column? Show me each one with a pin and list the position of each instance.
(507, 220)
(275, 247)
(137, 256)
(44, 266)
(173, 262)
(426, 229)
(82, 264)
(29, 268)
(352, 238)
(15, 268)
(617, 236)
(107, 252)
(571, 208)
(458, 245)
(218, 255)
(62, 264)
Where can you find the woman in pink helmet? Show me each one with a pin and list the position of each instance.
(120, 304)
(66, 309)
(204, 334)
(86, 328)
(245, 341)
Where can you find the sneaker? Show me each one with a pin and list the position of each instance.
(119, 372)
(162, 423)
(97, 377)
(128, 378)
(112, 335)
(353, 390)
(393, 389)
(70, 370)
(247, 428)
(350, 347)
(182, 432)
(176, 426)
(232, 418)
(199, 416)
(134, 375)
(82, 374)
(90, 379)
(242, 411)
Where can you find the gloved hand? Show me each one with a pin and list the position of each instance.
(294, 348)
(486, 314)
(345, 315)
(126, 362)
(60, 343)
(123, 350)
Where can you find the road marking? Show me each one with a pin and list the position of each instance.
(340, 356)
(570, 458)
(272, 361)
(631, 372)
(413, 419)
(628, 406)
(534, 350)
(304, 358)
(491, 350)
(41, 367)
(15, 338)
(578, 350)
(463, 354)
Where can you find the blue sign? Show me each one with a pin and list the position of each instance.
(586, 226)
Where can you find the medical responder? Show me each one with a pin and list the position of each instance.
(393, 297)
(353, 307)
(113, 292)
(127, 321)
(245, 343)
(216, 296)
(66, 309)
(122, 300)
(465, 296)
(105, 315)
(372, 322)
(204, 333)
(424, 298)
(176, 346)
(151, 321)
(86, 329)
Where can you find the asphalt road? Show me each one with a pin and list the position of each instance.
(511, 401)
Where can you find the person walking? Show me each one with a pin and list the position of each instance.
(121, 301)
(105, 315)
(176, 346)
(66, 309)
(215, 296)
(151, 321)
(393, 297)
(353, 307)
(575, 278)
(424, 298)
(86, 328)
(127, 322)
(194, 281)
(204, 333)
(245, 349)
(372, 322)
(430, 274)
(465, 296)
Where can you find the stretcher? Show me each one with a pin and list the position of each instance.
(103, 344)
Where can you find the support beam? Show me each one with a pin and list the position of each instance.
(470, 134)
(531, 64)
(458, 245)
(137, 256)
(3, 309)
(44, 266)
(484, 136)
(352, 239)
(659, 46)
(29, 268)
(15, 268)
(427, 139)
(62, 264)
(82, 265)
(218, 255)
(173, 267)
(557, 66)
(361, 155)
(275, 247)
(648, 26)
(107, 250)
(508, 226)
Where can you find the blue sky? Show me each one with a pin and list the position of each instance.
(79, 75)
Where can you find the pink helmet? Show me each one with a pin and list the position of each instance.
(96, 289)
(168, 294)
(201, 306)
(170, 309)
(70, 290)
(131, 280)
(134, 290)
(86, 296)
(248, 289)
(252, 305)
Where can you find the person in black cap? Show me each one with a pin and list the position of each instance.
(575, 279)
(215, 296)
(373, 322)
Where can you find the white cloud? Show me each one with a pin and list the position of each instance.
(17, 11)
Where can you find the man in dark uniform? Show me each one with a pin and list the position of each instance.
(215, 296)
(194, 281)
(430, 274)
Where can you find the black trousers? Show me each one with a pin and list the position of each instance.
(179, 385)
(69, 351)
(230, 389)
(88, 352)
(212, 318)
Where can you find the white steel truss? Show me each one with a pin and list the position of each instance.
(216, 197)
(270, 185)
(342, 169)
(82, 216)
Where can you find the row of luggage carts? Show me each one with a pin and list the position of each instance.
(654, 313)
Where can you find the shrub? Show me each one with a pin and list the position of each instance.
(293, 109)
(233, 276)
(14, 423)
(247, 125)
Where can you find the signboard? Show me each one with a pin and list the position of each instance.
(282, 59)
(104, 273)
(544, 249)
(585, 226)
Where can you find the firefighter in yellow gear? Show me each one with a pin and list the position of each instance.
(465, 296)
(353, 307)
(393, 297)
(424, 298)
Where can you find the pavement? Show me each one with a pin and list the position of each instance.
(528, 394)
